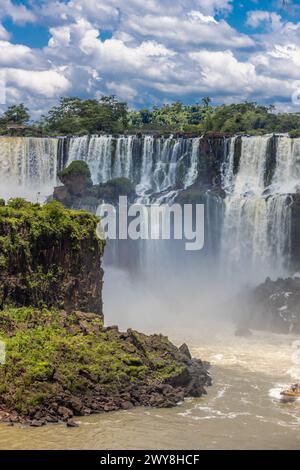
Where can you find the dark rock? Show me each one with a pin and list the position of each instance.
(127, 405)
(76, 178)
(185, 351)
(76, 276)
(275, 306)
(76, 405)
(65, 413)
(71, 424)
(37, 423)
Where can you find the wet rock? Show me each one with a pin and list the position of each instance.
(64, 412)
(275, 306)
(126, 405)
(185, 351)
(76, 405)
(71, 424)
(37, 423)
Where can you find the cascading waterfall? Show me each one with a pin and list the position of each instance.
(192, 173)
(258, 175)
(256, 232)
(28, 167)
(161, 160)
(286, 177)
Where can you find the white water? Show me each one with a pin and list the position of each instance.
(28, 167)
(257, 222)
(158, 165)
(287, 173)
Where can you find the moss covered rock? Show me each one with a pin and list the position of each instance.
(59, 364)
(49, 256)
(76, 177)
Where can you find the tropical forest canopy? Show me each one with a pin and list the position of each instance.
(76, 116)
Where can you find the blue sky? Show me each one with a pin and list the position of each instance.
(150, 51)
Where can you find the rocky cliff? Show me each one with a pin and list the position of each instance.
(49, 257)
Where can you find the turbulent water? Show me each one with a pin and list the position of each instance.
(257, 220)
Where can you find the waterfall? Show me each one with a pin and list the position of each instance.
(250, 177)
(257, 221)
(286, 178)
(28, 167)
(192, 172)
(227, 168)
(258, 175)
(123, 158)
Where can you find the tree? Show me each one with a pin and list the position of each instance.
(15, 114)
(206, 100)
(76, 116)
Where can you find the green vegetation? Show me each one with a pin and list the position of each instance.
(16, 114)
(76, 168)
(75, 116)
(48, 352)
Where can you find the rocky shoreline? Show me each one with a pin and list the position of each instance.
(189, 377)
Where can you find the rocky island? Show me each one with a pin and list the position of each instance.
(61, 361)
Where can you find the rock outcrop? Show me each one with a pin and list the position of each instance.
(275, 306)
(78, 191)
(49, 257)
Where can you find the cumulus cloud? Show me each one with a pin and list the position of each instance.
(156, 50)
(4, 34)
(194, 28)
(258, 17)
(19, 13)
(16, 55)
(48, 83)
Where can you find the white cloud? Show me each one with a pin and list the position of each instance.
(16, 55)
(194, 29)
(159, 50)
(47, 83)
(256, 18)
(122, 90)
(19, 13)
(3, 33)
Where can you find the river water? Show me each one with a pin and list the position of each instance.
(242, 409)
